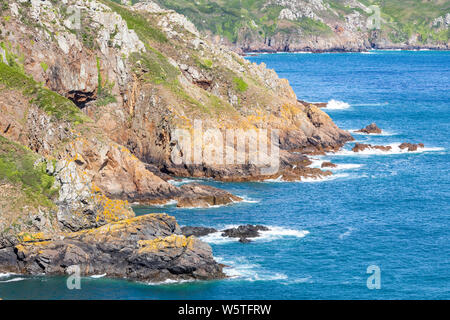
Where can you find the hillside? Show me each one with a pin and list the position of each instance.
(319, 25)
(93, 95)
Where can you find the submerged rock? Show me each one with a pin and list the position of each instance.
(371, 129)
(145, 248)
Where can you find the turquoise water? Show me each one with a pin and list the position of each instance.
(389, 210)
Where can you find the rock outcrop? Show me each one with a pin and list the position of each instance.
(146, 248)
(244, 232)
(328, 164)
(94, 107)
(197, 231)
(359, 147)
(371, 129)
(411, 146)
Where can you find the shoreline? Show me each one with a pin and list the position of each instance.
(256, 53)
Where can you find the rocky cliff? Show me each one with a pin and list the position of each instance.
(320, 25)
(93, 96)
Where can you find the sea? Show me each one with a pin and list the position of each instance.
(379, 228)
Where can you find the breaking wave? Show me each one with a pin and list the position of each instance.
(12, 280)
(274, 233)
(317, 163)
(337, 105)
(241, 269)
(382, 134)
(395, 150)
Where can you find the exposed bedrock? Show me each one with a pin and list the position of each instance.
(145, 248)
(370, 129)
(197, 231)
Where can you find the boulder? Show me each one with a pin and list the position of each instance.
(328, 164)
(361, 147)
(371, 129)
(411, 146)
(197, 231)
(244, 232)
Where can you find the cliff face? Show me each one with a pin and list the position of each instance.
(93, 96)
(320, 25)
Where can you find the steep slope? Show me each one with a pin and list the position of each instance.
(319, 25)
(93, 97)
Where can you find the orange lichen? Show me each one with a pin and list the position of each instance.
(158, 244)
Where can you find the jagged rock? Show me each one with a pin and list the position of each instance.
(197, 231)
(202, 196)
(371, 129)
(244, 232)
(327, 164)
(411, 146)
(361, 147)
(145, 248)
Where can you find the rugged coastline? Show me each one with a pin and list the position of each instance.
(88, 126)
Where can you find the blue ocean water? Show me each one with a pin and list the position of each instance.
(388, 210)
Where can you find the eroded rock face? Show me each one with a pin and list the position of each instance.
(371, 129)
(145, 248)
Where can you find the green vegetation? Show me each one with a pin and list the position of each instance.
(104, 89)
(52, 103)
(44, 66)
(232, 18)
(240, 84)
(137, 23)
(19, 166)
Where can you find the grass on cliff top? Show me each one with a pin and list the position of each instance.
(136, 22)
(17, 166)
(52, 103)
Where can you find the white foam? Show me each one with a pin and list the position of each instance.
(317, 163)
(6, 275)
(168, 281)
(274, 233)
(241, 269)
(309, 179)
(98, 276)
(337, 105)
(279, 179)
(394, 151)
(307, 279)
(178, 183)
(166, 204)
(246, 199)
(325, 178)
(346, 234)
(376, 104)
(12, 280)
(382, 134)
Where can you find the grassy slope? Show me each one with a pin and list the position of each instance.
(17, 167)
(13, 77)
(226, 17)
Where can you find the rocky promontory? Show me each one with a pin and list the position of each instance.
(90, 119)
(145, 248)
